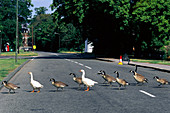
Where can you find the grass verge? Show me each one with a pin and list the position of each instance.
(21, 53)
(8, 65)
(164, 62)
(69, 51)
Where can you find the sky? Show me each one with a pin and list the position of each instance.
(42, 3)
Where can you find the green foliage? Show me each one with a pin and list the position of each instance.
(8, 19)
(144, 22)
(44, 32)
(9, 66)
(40, 10)
(70, 37)
(156, 14)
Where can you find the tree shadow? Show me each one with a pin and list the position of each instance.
(8, 93)
(119, 89)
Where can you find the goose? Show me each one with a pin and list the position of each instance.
(106, 77)
(88, 82)
(121, 82)
(35, 84)
(160, 80)
(78, 80)
(10, 86)
(58, 84)
(139, 78)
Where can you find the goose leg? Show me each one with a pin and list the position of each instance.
(79, 87)
(84, 86)
(38, 91)
(57, 88)
(119, 87)
(9, 91)
(87, 89)
(137, 84)
(104, 82)
(110, 84)
(33, 90)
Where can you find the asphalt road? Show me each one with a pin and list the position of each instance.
(148, 98)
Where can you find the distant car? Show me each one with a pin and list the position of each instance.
(26, 49)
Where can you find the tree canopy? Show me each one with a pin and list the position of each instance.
(116, 26)
(48, 33)
(8, 19)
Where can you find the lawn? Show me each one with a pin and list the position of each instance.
(164, 62)
(8, 65)
(21, 53)
(69, 51)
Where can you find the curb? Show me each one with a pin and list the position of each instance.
(107, 60)
(12, 74)
(159, 69)
(133, 64)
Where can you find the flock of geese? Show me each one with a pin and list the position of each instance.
(140, 79)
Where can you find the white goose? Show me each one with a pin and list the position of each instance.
(35, 84)
(88, 82)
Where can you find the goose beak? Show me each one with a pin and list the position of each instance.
(80, 71)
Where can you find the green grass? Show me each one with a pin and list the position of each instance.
(21, 53)
(151, 61)
(8, 65)
(69, 51)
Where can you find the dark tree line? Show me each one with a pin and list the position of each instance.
(118, 26)
(8, 19)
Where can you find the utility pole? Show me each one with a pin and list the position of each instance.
(0, 42)
(32, 38)
(16, 46)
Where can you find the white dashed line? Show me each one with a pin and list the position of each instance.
(78, 63)
(81, 64)
(88, 67)
(33, 58)
(147, 93)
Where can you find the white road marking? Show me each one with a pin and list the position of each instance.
(78, 63)
(33, 58)
(67, 59)
(88, 67)
(81, 64)
(147, 93)
(54, 54)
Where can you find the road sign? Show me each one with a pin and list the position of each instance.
(34, 46)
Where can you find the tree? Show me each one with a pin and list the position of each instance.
(44, 32)
(40, 10)
(152, 17)
(143, 22)
(8, 19)
(70, 37)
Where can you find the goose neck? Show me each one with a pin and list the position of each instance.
(83, 74)
(117, 75)
(31, 76)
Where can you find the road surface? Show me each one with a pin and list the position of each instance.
(148, 98)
